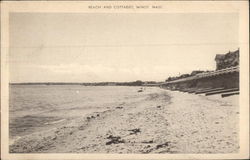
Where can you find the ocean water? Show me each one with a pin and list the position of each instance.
(35, 108)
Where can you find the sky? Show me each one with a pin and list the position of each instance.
(116, 47)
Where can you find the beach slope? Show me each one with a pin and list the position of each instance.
(153, 120)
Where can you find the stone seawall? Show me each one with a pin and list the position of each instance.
(230, 80)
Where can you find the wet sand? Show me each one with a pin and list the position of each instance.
(152, 121)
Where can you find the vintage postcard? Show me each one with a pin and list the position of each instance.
(124, 80)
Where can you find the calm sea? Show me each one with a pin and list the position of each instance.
(38, 107)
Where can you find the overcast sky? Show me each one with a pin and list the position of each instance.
(74, 47)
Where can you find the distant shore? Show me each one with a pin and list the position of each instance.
(131, 83)
(153, 121)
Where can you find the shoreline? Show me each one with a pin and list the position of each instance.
(179, 123)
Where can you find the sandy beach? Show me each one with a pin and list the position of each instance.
(152, 121)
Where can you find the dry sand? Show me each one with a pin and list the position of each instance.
(152, 121)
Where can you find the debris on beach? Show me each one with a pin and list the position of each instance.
(92, 116)
(81, 127)
(149, 148)
(119, 107)
(151, 141)
(88, 118)
(114, 140)
(140, 90)
(134, 131)
(162, 145)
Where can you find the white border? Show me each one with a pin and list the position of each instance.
(182, 7)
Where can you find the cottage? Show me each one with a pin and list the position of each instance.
(230, 59)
